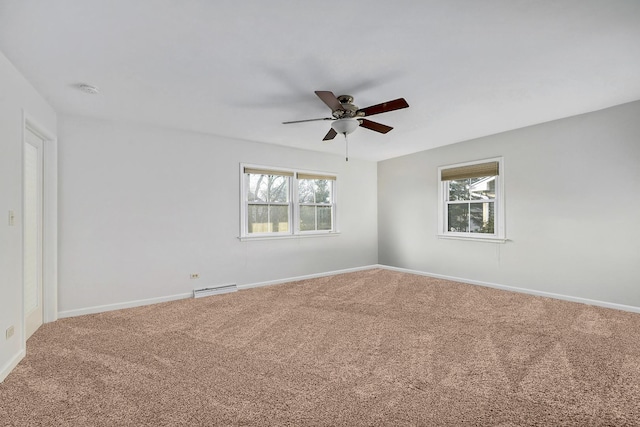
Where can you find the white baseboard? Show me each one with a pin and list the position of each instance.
(121, 305)
(8, 367)
(598, 303)
(308, 276)
(138, 303)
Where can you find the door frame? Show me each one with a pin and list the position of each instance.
(32, 208)
(49, 218)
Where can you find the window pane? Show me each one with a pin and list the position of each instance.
(482, 217)
(305, 191)
(278, 189)
(258, 188)
(458, 217)
(314, 190)
(482, 188)
(278, 218)
(324, 218)
(459, 189)
(268, 219)
(258, 219)
(323, 191)
(307, 218)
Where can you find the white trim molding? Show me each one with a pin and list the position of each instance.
(8, 367)
(308, 276)
(293, 177)
(483, 239)
(289, 236)
(138, 303)
(499, 235)
(587, 301)
(49, 217)
(119, 306)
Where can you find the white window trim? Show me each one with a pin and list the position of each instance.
(499, 223)
(294, 215)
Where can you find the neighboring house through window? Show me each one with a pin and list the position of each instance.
(471, 200)
(280, 202)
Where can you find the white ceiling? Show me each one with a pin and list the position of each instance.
(467, 68)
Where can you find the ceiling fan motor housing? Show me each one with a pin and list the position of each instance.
(348, 110)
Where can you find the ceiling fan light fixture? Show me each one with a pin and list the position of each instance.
(345, 126)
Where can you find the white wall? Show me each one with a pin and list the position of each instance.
(17, 99)
(572, 209)
(143, 207)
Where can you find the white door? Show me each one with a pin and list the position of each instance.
(32, 231)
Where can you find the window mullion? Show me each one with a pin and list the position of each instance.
(269, 227)
(445, 211)
(315, 206)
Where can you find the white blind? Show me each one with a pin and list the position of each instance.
(470, 171)
(267, 172)
(316, 176)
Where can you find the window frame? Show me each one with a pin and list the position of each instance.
(299, 204)
(293, 204)
(499, 235)
(268, 204)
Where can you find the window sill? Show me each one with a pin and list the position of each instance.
(474, 238)
(288, 236)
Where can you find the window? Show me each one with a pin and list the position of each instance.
(471, 200)
(281, 202)
(268, 201)
(315, 202)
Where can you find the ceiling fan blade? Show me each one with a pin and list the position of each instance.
(378, 127)
(330, 99)
(330, 135)
(396, 104)
(307, 120)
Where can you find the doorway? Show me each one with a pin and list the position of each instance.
(32, 231)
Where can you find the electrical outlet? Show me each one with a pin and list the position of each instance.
(194, 276)
(9, 332)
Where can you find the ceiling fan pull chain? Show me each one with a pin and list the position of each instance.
(346, 146)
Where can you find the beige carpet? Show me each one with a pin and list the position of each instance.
(369, 348)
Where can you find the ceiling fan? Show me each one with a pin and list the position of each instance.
(347, 117)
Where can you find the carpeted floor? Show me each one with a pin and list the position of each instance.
(369, 348)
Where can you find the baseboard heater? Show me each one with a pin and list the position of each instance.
(214, 290)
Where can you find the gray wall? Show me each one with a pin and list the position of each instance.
(142, 207)
(572, 209)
